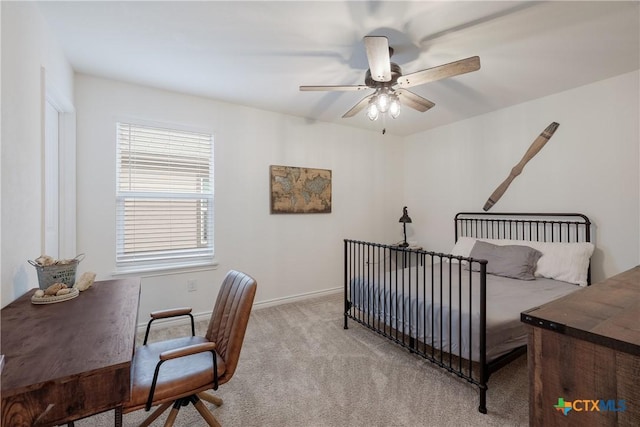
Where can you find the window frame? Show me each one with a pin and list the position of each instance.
(168, 259)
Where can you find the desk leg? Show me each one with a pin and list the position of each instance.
(118, 417)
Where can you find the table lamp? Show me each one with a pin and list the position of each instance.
(404, 219)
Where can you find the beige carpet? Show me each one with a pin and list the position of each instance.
(299, 367)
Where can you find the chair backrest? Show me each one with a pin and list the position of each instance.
(230, 317)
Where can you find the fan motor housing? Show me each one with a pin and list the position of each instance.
(396, 72)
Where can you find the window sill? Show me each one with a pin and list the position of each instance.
(164, 270)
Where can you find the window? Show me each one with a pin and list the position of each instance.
(164, 197)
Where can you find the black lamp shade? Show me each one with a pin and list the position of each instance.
(405, 217)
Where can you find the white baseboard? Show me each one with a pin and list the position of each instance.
(206, 315)
(294, 298)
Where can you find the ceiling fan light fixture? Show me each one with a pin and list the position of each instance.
(394, 107)
(372, 110)
(383, 102)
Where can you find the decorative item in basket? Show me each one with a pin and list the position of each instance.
(51, 271)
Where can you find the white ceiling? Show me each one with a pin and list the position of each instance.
(258, 53)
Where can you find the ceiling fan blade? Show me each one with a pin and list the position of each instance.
(379, 60)
(334, 88)
(440, 72)
(413, 100)
(358, 107)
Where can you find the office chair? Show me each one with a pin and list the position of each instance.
(178, 371)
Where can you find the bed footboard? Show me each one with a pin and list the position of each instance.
(430, 303)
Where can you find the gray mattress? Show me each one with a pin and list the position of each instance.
(427, 318)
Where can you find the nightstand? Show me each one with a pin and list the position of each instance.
(405, 256)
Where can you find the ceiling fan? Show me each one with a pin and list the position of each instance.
(390, 86)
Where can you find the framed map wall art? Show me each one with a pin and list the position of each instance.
(300, 190)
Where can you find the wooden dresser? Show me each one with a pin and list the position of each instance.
(584, 356)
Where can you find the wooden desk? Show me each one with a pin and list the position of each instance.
(586, 346)
(71, 359)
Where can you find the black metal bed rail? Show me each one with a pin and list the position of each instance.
(427, 302)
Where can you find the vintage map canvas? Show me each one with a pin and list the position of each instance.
(300, 190)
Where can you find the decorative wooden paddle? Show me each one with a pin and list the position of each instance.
(535, 147)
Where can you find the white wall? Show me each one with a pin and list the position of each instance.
(590, 165)
(27, 49)
(289, 255)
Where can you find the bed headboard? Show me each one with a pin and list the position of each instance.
(533, 227)
(539, 227)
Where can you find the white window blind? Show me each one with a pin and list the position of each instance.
(164, 197)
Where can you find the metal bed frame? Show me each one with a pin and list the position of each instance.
(374, 261)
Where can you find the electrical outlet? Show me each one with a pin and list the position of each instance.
(192, 285)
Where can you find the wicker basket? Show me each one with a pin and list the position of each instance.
(57, 273)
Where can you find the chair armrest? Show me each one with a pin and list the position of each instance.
(165, 314)
(173, 312)
(180, 352)
(187, 350)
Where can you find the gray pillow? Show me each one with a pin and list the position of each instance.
(515, 261)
